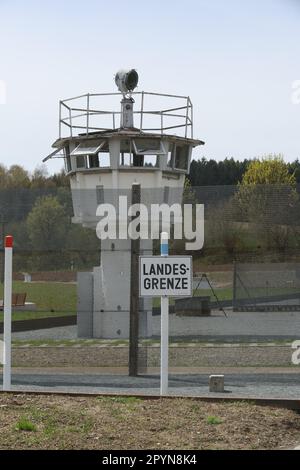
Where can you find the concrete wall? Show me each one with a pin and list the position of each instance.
(85, 305)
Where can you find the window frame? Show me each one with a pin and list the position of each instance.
(67, 158)
(175, 155)
(160, 151)
(79, 153)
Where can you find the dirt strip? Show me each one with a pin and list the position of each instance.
(61, 422)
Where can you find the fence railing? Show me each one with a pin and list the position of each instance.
(88, 117)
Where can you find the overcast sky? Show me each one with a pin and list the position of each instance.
(237, 60)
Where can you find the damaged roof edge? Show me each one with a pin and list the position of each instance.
(53, 153)
(60, 143)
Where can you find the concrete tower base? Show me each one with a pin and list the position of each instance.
(104, 295)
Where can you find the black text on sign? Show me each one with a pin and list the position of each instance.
(171, 276)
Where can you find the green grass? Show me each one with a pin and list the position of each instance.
(268, 291)
(223, 294)
(55, 299)
(122, 400)
(33, 315)
(227, 293)
(25, 425)
(50, 420)
(51, 298)
(213, 420)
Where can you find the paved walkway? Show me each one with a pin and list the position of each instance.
(244, 384)
(237, 326)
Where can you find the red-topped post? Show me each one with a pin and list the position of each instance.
(9, 241)
(7, 312)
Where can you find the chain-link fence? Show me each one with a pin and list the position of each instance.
(71, 294)
(266, 286)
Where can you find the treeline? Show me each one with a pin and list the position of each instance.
(226, 172)
(202, 173)
(19, 190)
(37, 209)
(16, 177)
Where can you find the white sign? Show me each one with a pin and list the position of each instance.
(1, 352)
(166, 276)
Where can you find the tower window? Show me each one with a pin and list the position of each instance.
(104, 159)
(148, 147)
(181, 157)
(93, 161)
(126, 153)
(100, 194)
(171, 154)
(135, 155)
(125, 159)
(81, 161)
(88, 148)
(67, 158)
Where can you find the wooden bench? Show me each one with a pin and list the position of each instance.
(193, 306)
(17, 300)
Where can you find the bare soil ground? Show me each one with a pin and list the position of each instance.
(60, 422)
(179, 356)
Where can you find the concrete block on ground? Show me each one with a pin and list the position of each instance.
(216, 383)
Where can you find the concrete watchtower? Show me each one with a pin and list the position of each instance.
(106, 152)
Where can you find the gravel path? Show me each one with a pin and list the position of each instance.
(237, 327)
(187, 355)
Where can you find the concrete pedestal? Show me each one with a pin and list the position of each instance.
(104, 294)
(216, 383)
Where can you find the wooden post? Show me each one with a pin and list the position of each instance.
(234, 286)
(134, 294)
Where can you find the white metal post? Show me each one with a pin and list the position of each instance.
(7, 313)
(164, 333)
